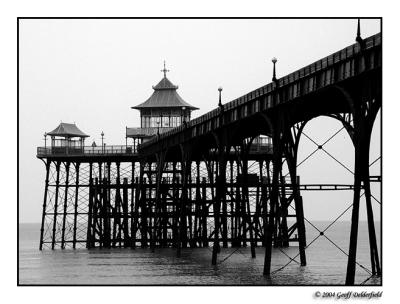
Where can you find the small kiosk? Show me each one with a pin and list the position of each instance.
(67, 139)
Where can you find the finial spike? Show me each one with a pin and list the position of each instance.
(164, 70)
(358, 38)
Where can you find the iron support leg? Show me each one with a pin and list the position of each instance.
(375, 265)
(65, 205)
(44, 204)
(90, 228)
(220, 192)
(77, 165)
(53, 241)
(274, 202)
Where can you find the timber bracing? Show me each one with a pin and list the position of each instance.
(101, 205)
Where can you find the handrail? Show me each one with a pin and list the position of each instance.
(258, 146)
(87, 150)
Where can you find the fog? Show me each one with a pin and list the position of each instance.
(92, 71)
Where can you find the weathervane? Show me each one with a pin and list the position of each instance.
(164, 70)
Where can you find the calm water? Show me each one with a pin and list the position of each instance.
(326, 263)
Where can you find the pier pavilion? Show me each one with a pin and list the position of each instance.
(163, 111)
(63, 140)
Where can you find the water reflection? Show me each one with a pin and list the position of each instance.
(325, 265)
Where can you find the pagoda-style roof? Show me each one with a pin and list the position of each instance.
(67, 130)
(165, 96)
(165, 84)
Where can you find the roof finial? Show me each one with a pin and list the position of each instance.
(358, 38)
(164, 70)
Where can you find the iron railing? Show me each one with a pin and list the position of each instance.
(257, 147)
(86, 151)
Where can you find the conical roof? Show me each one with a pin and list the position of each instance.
(165, 84)
(165, 96)
(67, 130)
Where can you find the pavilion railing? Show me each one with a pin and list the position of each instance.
(87, 150)
(256, 147)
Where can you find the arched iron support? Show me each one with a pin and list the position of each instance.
(365, 111)
(291, 145)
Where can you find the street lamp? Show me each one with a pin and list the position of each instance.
(220, 102)
(102, 144)
(274, 61)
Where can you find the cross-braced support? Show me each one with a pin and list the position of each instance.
(364, 114)
(243, 163)
(183, 202)
(270, 230)
(220, 188)
(291, 144)
(285, 141)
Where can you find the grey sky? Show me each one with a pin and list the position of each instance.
(92, 71)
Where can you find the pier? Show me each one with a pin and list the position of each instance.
(217, 180)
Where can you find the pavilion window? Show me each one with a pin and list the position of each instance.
(165, 121)
(157, 122)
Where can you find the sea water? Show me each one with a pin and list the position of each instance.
(326, 262)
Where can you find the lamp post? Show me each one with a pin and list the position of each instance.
(274, 61)
(45, 139)
(220, 102)
(102, 142)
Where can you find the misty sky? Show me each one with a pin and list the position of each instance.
(92, 71)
